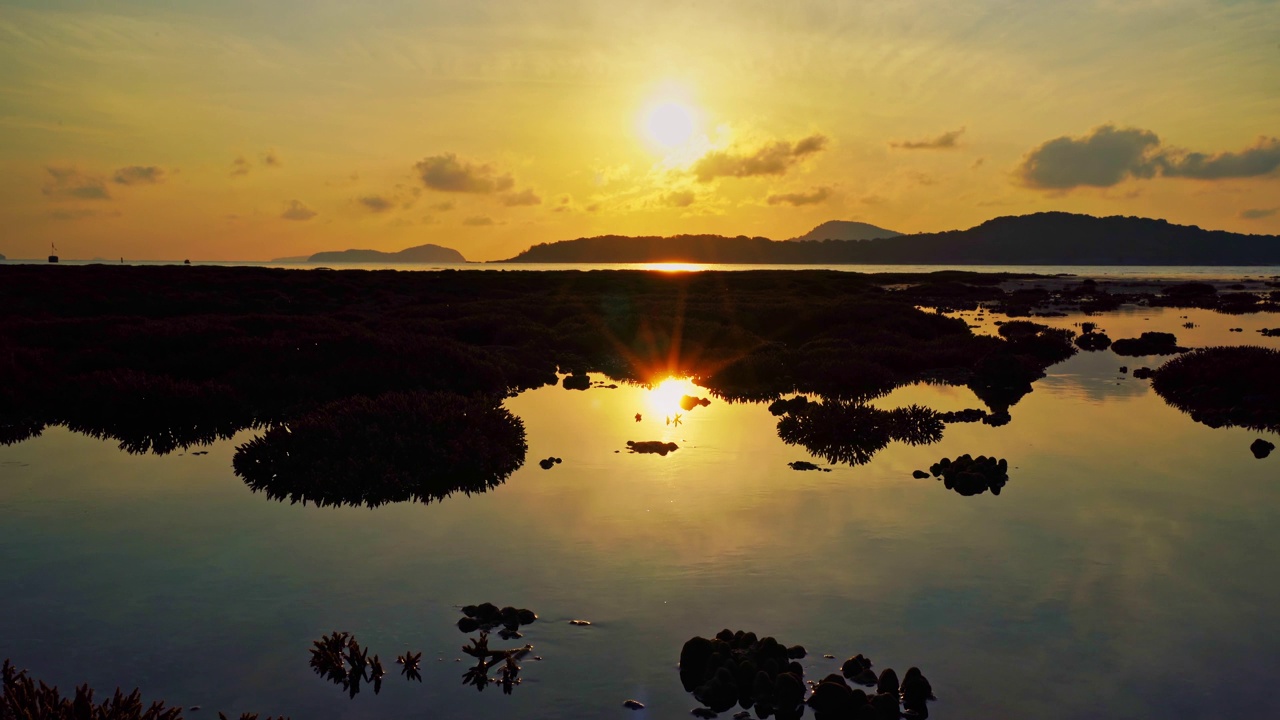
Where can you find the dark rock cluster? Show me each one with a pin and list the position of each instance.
(737, 668)
(1143, 373)
(548, 463)
(1261, 448)
(741, 669)
(971, 476)
(487, 617)
(1149, 343)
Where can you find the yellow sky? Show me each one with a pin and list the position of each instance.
(254, 130)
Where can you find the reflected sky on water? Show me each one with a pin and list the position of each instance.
(1125, 570)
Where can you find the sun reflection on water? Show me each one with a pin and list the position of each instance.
(664, 397)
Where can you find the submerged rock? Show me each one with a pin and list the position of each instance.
(972, 476)
(1149, 343)
(647, 447)
(806, 465)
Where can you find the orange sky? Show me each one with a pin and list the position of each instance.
(250, 130)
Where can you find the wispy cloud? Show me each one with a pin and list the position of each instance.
(479, 221)
(523, 198)
(68, 183)
(376, 203)
(1259, 213)
(297, 211)
(774, 158)
(138, 175)
(945, 141)
(813, 197)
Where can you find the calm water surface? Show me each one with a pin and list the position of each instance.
(1126, 571)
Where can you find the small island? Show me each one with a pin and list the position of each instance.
(418, 254)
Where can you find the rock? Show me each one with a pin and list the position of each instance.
(920, 475)
(1149, 343)
(832, 699)
(695, 659)
(865, 677)
(886, 704)
(1124, 369)
(741, 715)
(1143, 373)
(580, 622)
(855, 666)
(971, 476)
(888, 682)
(1093, 341)
(796, 652)
(702, 713)
(633, 704)
(648, 447)
(915, 689)
(468, 625)
(806, 465)
(1261, 448)
(527, 617)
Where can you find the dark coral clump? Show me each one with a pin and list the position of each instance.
(395, 447)
(1224, 386)
(852, 432)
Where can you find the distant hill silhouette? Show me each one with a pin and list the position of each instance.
(1049, 238)
(420, 254)
(846, 230)
(2, 257)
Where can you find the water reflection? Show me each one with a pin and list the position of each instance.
(851, 433)
(392, 448)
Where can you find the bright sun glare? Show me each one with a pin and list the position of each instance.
(664, 398)
(670, 125)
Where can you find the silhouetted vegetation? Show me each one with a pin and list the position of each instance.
(395, 447)
(338, 658)
(852, 433)
(1224, 386)
(25, 698)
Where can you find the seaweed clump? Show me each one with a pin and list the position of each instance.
(1224, 386)
(852, 432)
(25, 698)
(395, 447)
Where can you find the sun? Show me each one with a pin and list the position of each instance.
(670, 125)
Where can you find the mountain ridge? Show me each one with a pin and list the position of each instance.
(846, 230)
(1045, 238)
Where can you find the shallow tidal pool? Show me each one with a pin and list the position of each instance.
(1127, 569)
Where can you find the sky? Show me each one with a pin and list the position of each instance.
(260, 129)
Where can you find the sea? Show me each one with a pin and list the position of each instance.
(1127, 569)
(1205, 272)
